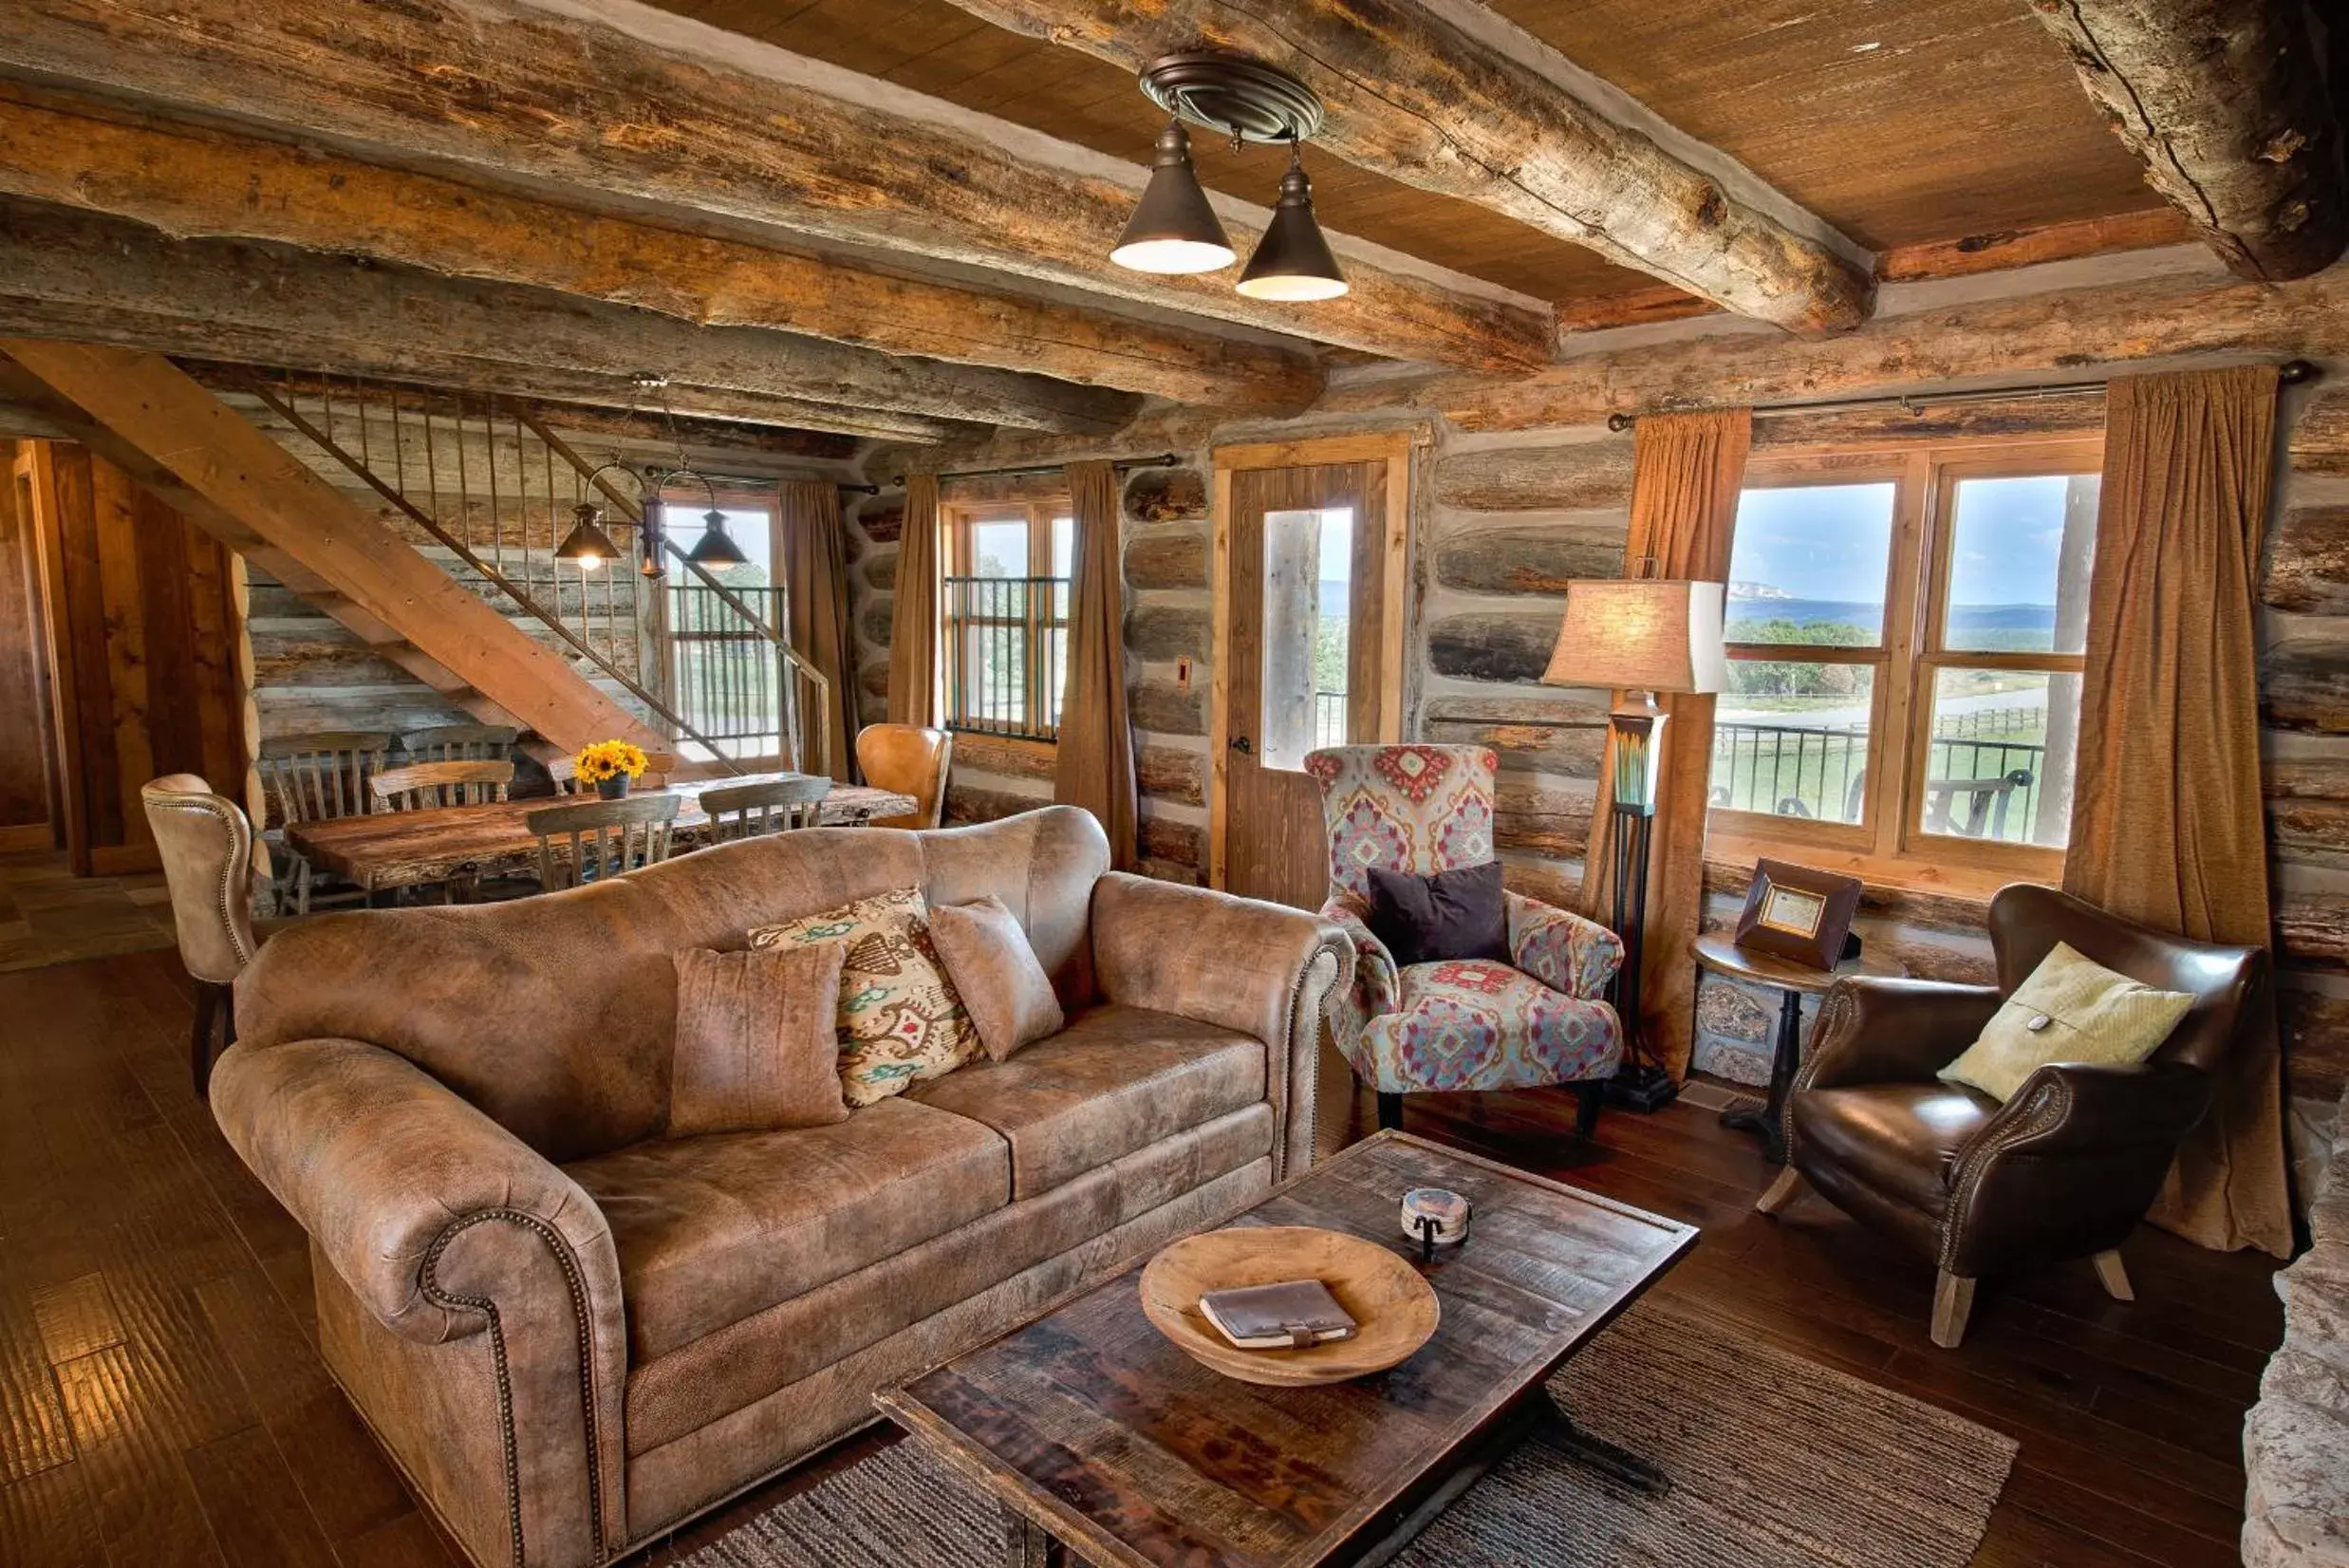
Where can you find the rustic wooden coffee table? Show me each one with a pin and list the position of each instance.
(1092, 1430)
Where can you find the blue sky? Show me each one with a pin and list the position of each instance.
(1832, 541)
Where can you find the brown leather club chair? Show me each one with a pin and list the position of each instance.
(2066, 1168)
(912, 759)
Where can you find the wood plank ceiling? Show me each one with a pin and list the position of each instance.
(1903, 124)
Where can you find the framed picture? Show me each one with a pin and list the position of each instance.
(1795, 912)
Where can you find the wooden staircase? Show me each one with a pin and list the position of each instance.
(143, 414)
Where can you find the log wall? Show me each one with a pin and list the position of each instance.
(1503, 517)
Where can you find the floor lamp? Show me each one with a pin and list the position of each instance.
(1638, 636)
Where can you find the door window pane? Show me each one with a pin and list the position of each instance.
(1809, 564)
(1308, 598)
(1790, 738)
(1999, 762)
(2019, 552)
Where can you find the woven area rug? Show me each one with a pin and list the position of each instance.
(1775, 1463)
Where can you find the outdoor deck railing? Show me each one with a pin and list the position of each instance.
(1812, 771)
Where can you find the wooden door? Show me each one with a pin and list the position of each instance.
(1307, 583)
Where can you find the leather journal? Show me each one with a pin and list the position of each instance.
(1289, 1315)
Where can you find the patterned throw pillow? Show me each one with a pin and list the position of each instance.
(900, 1018)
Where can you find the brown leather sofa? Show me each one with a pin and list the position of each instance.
(2068, 1167)
(572, 1333)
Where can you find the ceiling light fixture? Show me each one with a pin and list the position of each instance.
(1174, 229)
(1293, 260)
(586, 545)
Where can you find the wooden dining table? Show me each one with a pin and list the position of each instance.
(383, 850)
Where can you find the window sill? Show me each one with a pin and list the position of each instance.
(1910, 891)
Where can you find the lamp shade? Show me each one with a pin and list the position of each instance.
(586, 545)
(1173, 229)
(1293, 260)
(1639, 634)
(716, 548)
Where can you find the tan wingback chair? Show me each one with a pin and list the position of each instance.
(912, 759)
(207, 846)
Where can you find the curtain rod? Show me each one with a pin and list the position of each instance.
(2291, 373)
(1165, 459)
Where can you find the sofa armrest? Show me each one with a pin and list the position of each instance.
(2069, 1163)
(1874, 1030)
(1561, 949)
(446, 1229)
(1261, 969)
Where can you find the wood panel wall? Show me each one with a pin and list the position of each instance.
(29, 818)
(143, 616)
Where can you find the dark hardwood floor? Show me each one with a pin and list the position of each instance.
(160, 1402)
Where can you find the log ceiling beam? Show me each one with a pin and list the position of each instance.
(2062, 335)
(1412, 96)
(648, 431)
(2225, 102)
(74, 275)
(608, 100)
(201, 185)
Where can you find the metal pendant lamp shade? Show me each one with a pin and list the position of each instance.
(716, 548)
(586, 545)
(1293, 260)
(1173, 229)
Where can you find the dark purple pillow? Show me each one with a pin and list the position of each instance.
(1456, 914)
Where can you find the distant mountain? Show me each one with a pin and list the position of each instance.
(1870, 617)
(1755, 590)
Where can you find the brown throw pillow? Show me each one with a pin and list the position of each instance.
(756, 1046)
(988, 958)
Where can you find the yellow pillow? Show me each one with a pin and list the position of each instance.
(2070, 1010)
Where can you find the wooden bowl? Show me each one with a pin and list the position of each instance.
(1394, 1309)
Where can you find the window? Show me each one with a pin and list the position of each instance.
(1005, 617)
(724, 677)
(1905, 631)
(1308, 617)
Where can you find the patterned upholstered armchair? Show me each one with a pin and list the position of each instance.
(1456, 1024)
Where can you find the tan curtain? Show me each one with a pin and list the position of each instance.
(815, 587)
(2166, 826)
(913, 619)
(1095, 768)
(1685, 472)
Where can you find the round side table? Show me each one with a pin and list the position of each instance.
(1722, 957)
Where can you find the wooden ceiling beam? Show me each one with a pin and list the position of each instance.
(2225, 102)
(199, 184)
(641, 429)
(598, 100)
(77, 276)
(1412, 96)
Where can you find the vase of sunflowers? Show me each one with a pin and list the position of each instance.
(612, 766)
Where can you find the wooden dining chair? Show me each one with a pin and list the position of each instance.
(912, 759)
(423, 786)
(780, 805)
(596, 839)
(460, 744)
(311, 778)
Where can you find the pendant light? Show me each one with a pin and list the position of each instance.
(1293, 260)
(586, 545)
(1173, 230)
(716, 548)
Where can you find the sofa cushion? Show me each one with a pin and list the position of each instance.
(1903, 1139)
(744, 1362)
(1115, 1079)
(988, 958)
(710, 1230)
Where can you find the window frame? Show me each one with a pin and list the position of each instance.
(957, 520)
(1888, 846)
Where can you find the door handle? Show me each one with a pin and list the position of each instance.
(1242, 745)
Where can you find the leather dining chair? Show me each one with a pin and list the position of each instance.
(911, 759)
(2068, 1167)
(207, 848)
